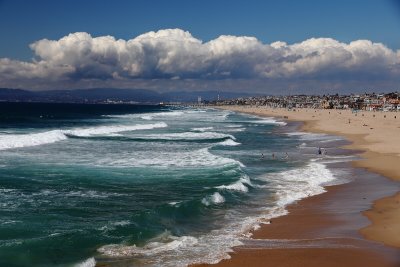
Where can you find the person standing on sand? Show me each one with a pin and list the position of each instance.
(319, 151)
(273, 156)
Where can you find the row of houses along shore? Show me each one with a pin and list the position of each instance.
(369, 102)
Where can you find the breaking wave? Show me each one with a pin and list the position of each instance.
(186, 159)
(10, 141)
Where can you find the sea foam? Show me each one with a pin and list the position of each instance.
(190, 136)
(102, 130)
(91, 262)
(35, 139)
(314, 136)
(239, 185)
(293, 185)
(184, 159)
(152, 248)
(215, 198)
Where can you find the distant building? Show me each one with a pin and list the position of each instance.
(371, 102)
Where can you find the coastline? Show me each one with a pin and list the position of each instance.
(374, 135)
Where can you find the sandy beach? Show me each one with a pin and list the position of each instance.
(335, 223)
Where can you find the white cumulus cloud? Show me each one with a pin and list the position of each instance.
(175, 55)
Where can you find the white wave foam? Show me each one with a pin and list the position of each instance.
(213, 247)
(171, 251)
(195, 111)
(112, 225)
(215, 198)
(121, 223)
(314, 136)
(264, 120)
(91, 194)
(234, 126)
(76, 193)
(91, 262)
(102, 130)
(36, 139)
(174, 203)
(228, 142)
(302, 145)
(334, 159)
(151, 116)
(300, 183)
(147, 116)
(197, 158)
(153, 248)
(114, 135)
(202, 129)
(238, 185)
(190, 136)
(235, 130)
(269, 121)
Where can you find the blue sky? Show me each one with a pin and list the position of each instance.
(26, 22)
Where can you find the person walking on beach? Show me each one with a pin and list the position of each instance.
(273, 156)
(262, 155)
(319, 151)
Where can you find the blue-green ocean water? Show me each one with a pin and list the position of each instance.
(126, 185)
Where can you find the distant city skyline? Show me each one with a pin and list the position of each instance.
(255, 46)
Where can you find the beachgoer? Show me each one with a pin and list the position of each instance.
(273, 156)
(319, 151)
(262, 155)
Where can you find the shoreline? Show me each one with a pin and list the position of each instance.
(379, 153)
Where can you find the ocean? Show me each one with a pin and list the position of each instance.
(130, 185)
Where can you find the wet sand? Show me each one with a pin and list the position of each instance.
(324, 230)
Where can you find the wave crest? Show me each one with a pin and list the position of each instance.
(10, 141)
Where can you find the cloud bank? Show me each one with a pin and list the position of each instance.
(174, 58)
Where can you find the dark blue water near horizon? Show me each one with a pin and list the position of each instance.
(131, 185)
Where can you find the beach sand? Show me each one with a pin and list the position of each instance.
(331, 229)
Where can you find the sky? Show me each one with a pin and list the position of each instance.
(255, 46)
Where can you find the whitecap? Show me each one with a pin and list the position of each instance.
(238, 185)
(202, 129)
(36, 139)
(197, 158)
(174, 203)
(235, 130)
(188, 136)
(151, 116)
(228, 142)
(91, 262)
(110, 129)
(215, 198)
(147, 116)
